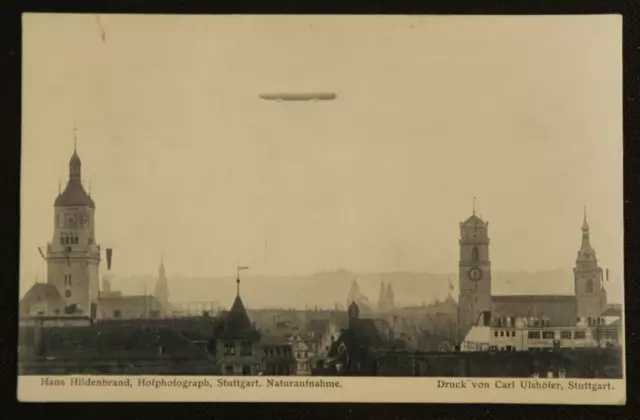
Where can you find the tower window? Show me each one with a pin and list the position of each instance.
(66, 240)
(589, 286)
(474, 254)
(61, 240)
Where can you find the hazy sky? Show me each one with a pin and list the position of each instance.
(184, 158)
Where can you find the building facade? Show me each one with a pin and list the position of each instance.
(304, 353)
(73, 255)
(277, 357)
(524, 334)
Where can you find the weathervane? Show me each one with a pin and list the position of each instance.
(240, 268)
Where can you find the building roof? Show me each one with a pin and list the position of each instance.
(318, 327)
(537, 298)
(194, 328)
(114, 341)
(273, 341)
(612, 312)
(559, 309)
(110, 303)
(41, 292)
(74, 193)
(236, 323)
(473, 220)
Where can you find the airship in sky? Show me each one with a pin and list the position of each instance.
(314, 96)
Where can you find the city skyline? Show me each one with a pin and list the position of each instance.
(177, 169)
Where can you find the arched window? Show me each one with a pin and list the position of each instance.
(589, 286)
(474, 254)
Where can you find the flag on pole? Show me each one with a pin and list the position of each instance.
(243, 267)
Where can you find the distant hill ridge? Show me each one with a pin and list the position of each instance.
(327, 288)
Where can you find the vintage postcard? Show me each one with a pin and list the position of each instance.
(322, 209)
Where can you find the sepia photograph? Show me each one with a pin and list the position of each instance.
(322, 208)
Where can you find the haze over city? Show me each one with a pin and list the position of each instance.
(184, 159)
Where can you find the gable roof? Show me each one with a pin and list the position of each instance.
(41, 292)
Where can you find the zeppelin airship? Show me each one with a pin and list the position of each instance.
(314, 96)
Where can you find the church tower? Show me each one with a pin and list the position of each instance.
(589, 287)
(161, 292)
(73, 257)
(474, 271)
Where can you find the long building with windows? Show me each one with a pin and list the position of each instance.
(518, 334)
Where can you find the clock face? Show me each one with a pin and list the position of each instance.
(70, 221)
(475, 274)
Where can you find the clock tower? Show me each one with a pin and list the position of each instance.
(73, 257)
(474, 272)
(589, 288)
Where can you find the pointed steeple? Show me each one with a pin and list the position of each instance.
(586, 243)
(161, 271)
(236, 323)
(390, 297)
(381, 297)
(161, 291)
(586, 252)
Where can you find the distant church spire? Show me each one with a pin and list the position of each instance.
(474, 205)
(75, 137)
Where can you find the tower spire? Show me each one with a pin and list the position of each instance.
(75, 136)
(474, 205)
(240, 268)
